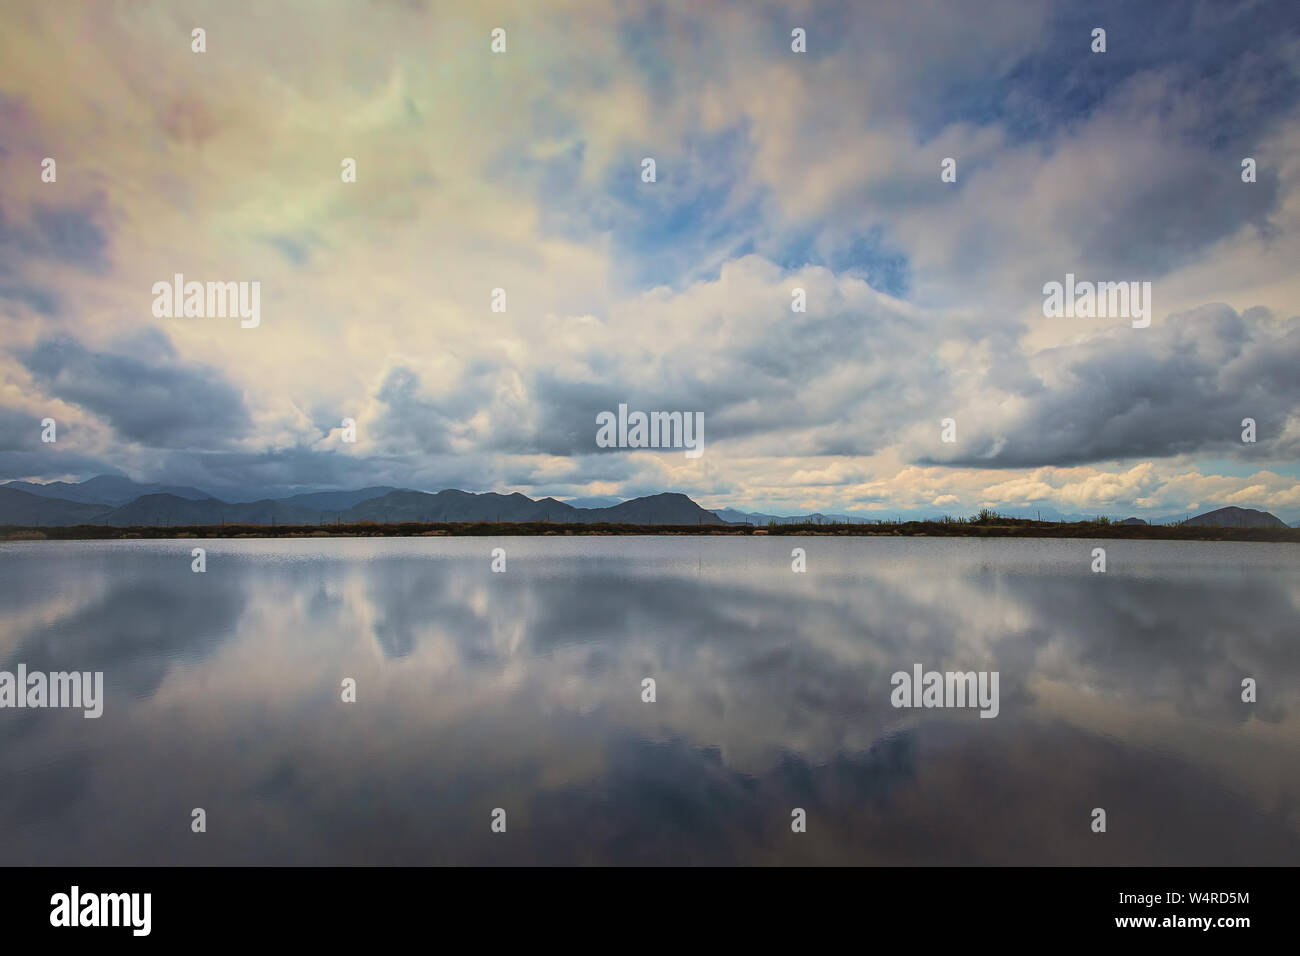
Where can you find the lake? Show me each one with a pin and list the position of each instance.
(523, 691)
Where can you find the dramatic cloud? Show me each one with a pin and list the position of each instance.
(774, 171)
(148, 396)
(1184, 387)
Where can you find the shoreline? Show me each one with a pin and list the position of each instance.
(1002, 528)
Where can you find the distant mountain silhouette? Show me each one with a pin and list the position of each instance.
(166, 510)
(666, 508)
(601, 501)
(116, 490)
(104, 490)
(455, 505)
(1232, 517)
(23, 508)
(757, 518)
(20, 507)
(336, 500)
(95, 502)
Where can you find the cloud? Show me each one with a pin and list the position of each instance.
(35, 298)
(67, 234)
(775, 170)
(147, 396)
(1179, 388)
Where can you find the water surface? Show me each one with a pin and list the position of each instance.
(522, 691)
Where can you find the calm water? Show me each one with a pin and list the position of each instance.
(522, 691)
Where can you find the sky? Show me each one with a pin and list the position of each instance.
(775, 170)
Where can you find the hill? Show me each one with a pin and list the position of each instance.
(1232, 517)
(666, 508)
(171, 510)
(335, 500)
(604, 501)
(104, 490)
(26, 509)
(376, 504)
(455, 505)
(758, 518)
(462, 506)
(21, 507)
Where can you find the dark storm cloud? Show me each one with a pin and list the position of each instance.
(766, 381)
(34, 297)
(245, 476)
(69, 235)
(23, 453)
(1161, 228)
(19, 429)
(1219, 48)
(412, 418)
(236, 476)
(145, 392)
(567, 412)
(1160, 123)
(1183, 388)
(56, 461)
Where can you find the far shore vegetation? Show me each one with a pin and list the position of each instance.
(986, 524)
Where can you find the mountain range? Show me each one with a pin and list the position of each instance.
(120, 502)
(99, 502)
(732, 516)
(104, 490)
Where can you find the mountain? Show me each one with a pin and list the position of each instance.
(454, 505)
(336, 500)
(600, 502)
(163, 509)
(23, 508)
(104, 490)
(1232, 517)
(757, 518)
(666, 508)
(166, 510)
(116, 490)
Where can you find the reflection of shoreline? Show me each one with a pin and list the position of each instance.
(522, 690)
(907, 529)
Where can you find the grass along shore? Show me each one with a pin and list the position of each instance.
(981, 526)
